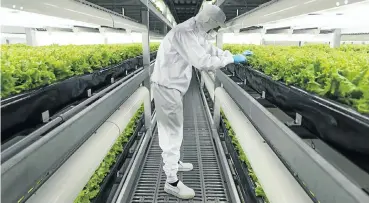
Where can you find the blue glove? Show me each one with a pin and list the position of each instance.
(247, 53)
(239, 58)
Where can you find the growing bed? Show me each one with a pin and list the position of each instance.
(37, 79)
(328, 87)
(96, 189)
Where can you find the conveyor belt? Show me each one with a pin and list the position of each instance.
(198, 148)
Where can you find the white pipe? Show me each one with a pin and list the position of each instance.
(209, 84)
(66, 183)
(278, 183)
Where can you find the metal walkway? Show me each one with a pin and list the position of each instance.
(198, 148)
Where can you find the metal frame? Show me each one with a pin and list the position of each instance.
(23, 143)
(88, 156)
(30, 168)
(324, 180)
(158, 14)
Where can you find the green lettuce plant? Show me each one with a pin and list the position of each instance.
(340, 74)
(92, 188)
(25, 67)
(259, 192)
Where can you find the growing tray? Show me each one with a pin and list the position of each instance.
(112, 177)
(245, 182)
(24, 111)
(331, 121)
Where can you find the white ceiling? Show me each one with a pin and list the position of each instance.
(351, 18)
(18, 18)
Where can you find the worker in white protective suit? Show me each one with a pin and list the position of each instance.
(184, 46)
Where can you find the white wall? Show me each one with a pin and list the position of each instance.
(241, 38)
(287, 39)
(13, 38)
(64, 38)
(256, 38)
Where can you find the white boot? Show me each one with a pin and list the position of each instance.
(184, 166)
(181, 191)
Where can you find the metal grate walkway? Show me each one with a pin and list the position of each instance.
(197, 147)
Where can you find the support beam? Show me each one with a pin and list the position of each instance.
(336, 38)
(156, 12)
(146, 47)
(145, 39)
(219, 40)
(31, 37)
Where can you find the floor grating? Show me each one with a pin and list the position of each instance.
(197, 147)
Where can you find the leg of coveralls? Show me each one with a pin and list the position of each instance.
(169, 114)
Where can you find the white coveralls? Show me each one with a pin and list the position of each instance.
(183, 47)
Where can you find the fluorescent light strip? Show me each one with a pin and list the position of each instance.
(280, 10)
(308, 2)
(129, 25)
(52, 5)
(87, 14)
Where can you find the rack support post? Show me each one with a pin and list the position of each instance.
(146, 46)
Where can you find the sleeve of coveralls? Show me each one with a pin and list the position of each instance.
(215, 51)
(189, 48)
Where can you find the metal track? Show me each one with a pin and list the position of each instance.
(198, 148)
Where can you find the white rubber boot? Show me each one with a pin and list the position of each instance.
(184, 166)
(181, 191)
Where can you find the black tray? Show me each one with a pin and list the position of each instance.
(23, 111)
(244, 180)
(331, 121)
(108, 182)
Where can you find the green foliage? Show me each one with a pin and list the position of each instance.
(242, 156)
(340, 74)
(92, 187)
(24, 67)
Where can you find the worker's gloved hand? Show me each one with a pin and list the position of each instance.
(247, 53)
(239, 58)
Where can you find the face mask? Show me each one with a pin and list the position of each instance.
(211, 34)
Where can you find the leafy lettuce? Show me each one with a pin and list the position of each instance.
(25, 67)
(340, 74)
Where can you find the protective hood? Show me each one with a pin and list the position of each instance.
(210, 17)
